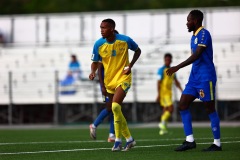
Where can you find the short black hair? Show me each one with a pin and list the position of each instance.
(110, 21)
(168, 55)
(197, 14)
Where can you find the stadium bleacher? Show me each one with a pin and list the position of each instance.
(34, 70)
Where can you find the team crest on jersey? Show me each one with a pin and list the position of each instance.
(196, 40)
(201, 93)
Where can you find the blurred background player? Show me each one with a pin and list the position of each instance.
(164, 88)
(201, 83)
(112, 51)
(105, 112)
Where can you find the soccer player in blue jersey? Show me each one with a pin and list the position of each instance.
(105, 112)
(201, 83)
(112, 51)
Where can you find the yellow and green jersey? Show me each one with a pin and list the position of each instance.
(114, 57)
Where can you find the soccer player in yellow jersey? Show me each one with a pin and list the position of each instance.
(164, 88)
(112, 51)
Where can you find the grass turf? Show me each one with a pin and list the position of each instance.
(71, 144)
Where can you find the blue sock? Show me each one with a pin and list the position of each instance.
(111, 123)
(103, 114)
(187, 122)
(215, 124)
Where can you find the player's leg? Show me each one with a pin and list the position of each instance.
(208, 100)
(111, 137)
(166, 115)
(120, 123)
(185, 101)
(102, 115)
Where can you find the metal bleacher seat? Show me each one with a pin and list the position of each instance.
(33, 72)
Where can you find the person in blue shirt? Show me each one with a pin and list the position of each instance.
(75, 67)
(201, 83)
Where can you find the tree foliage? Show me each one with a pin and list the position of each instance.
(61, 6)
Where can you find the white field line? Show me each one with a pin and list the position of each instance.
(95, 149)
(101, 141)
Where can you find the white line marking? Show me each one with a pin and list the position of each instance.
(101, 141)
(95, 149)
(52, 142)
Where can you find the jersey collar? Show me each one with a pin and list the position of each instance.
(198, 30)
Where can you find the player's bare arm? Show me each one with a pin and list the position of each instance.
(185, 63)
(101, 81)
(94, 67)
(178, 85)
(136, 55)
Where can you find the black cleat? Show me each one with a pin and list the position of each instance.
(186, 146)
(212, 148)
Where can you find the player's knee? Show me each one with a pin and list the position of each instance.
(182, 106)
(109, 107)
(116, 107)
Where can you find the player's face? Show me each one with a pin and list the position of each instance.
(190, 23)
(106, 29)
(167, 61)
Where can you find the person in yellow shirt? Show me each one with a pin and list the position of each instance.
(112, 51)
(164, 88)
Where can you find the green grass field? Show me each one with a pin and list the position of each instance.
(75, 144)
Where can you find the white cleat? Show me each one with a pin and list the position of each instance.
(92, 132)
(117, 146)
(111, 139)
(163, 129)
(129, 145)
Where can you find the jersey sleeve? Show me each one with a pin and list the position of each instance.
(204, 38)
(160, 73)
(131, 44)
(95, 54)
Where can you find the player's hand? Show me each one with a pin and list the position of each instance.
(172, 70)
(127, 70)
(92, 75)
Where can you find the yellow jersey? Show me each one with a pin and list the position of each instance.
(166, 86)
(114, 57)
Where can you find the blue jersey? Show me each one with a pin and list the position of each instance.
(203, 68)
(74, 66)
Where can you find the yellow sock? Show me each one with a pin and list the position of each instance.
(117, 114)
(120, 123)
(125, 130)
(165, 117)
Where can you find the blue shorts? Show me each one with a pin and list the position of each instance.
(205, 91)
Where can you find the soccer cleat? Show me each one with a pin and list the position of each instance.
(117, 146)
(129, 145)
(212, 148)
(92, 132)
(163, 129)
(111, 139)
(186, 146)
